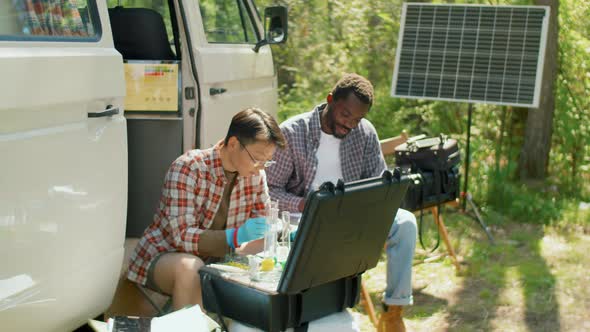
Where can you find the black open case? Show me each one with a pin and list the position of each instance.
(341, 235)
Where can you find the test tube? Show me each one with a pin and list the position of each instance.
(284, 246)
(270, 234)
(274, 205)
(286, 235)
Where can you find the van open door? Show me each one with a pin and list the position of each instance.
(190, 66)
(234, 70)
(63, 168)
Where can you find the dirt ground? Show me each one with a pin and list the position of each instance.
(534, 278)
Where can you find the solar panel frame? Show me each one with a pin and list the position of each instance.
(473, 29)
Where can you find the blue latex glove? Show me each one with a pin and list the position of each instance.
(292, 235)
(252, 229)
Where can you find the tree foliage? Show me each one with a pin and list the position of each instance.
(330, 37)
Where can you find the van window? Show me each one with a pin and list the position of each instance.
(48, 20)
(227, 22)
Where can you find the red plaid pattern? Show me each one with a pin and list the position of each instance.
(192, 191)
(52, 17)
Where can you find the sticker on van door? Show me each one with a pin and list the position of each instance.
(152, 86)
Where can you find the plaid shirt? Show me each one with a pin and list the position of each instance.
(191, 195)
(290, 179)
(51, 18)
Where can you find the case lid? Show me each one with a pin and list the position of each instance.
(342, 231)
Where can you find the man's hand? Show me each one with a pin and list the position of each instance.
(301, 205)
(292, 235)
(251, 248)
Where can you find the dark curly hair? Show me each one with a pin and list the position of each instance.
(360, 86)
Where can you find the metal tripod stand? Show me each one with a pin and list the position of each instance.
(465, 195)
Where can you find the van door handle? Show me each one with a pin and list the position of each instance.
(216, 91)
(109, 111)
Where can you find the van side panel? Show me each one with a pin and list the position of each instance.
(63, 182)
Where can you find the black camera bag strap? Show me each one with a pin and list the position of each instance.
(420, 227)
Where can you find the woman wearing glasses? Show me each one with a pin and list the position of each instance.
(212, 203)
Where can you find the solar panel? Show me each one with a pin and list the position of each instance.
(471, 53)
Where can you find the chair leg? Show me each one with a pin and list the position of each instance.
(368, 304)
(445, 235)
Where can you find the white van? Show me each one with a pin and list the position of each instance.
(81, 165)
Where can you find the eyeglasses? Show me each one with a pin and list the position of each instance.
(258, 163)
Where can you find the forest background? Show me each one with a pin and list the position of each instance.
(529, 165)
(529, 171)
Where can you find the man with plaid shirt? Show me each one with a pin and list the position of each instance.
(212, 202)
(333, 142)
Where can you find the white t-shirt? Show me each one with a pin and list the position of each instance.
(329, 167)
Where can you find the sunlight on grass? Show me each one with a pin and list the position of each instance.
(509, 307)
(534, 279)
(567, 253)
(436, 321)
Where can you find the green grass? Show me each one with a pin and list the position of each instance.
(535, 278)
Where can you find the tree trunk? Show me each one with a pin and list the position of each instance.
(534, 156)
(373, 69)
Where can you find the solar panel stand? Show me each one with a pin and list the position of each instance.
(465, 195)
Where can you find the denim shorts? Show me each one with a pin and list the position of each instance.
(150, 282)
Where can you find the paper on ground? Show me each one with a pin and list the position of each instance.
(185, 320)
(98, 326)
(344, 321)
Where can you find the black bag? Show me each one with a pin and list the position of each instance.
(428, 154)
(322, 274)
(436, 161)
(424, 193)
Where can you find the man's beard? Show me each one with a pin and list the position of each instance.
(335, 134)
(332, 124)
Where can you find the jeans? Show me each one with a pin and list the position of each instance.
(400, 247)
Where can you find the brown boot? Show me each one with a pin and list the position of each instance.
(391, 320)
